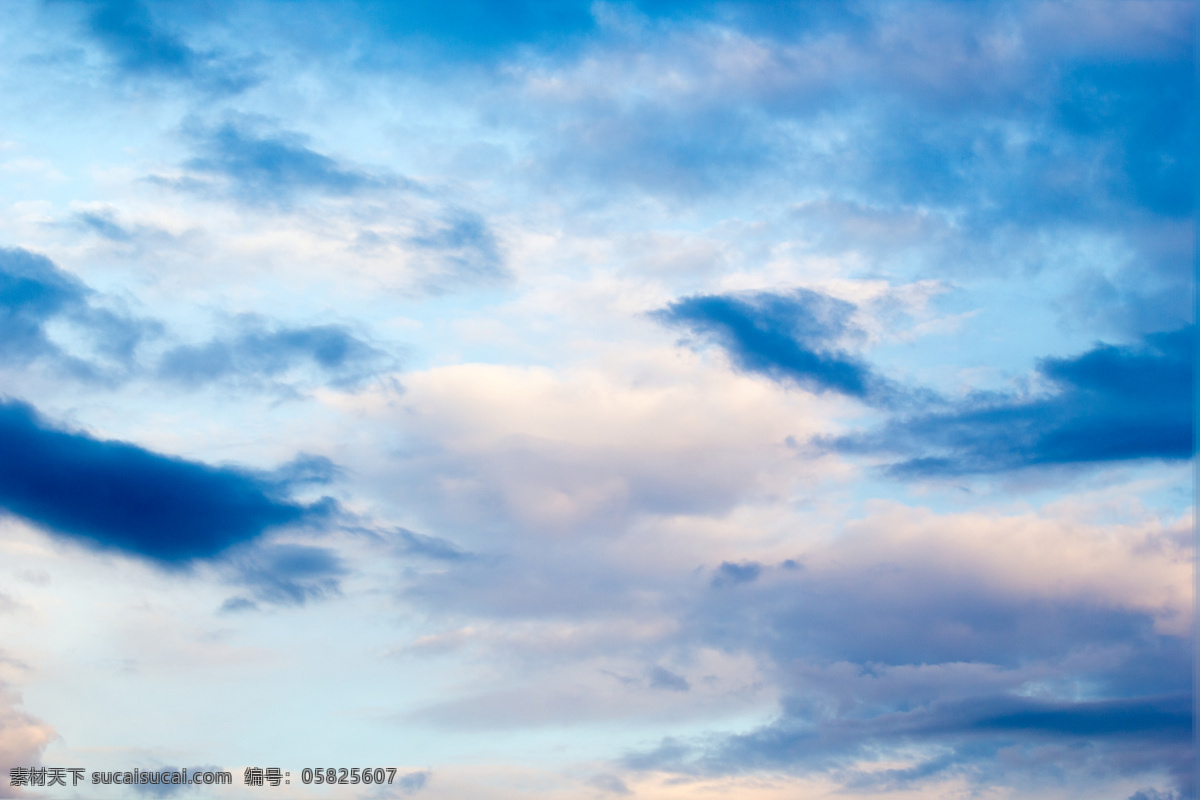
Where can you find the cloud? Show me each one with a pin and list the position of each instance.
(978, 645)
(141, 48)
(609, 784)
(273, 168)
(663, 678)
(123, 497)
(104, 224)
(416, 544)
(1096, 739)
(466, 251)
(787, 337)
(729, 573)
(22, 738)
(134, 238)
(263, 351)
(495, 447)
(1111, 403)
(1087, 740)
(34, 293)
(288, 574)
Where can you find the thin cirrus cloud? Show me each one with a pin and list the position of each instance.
(127, 498)
(1111, 403)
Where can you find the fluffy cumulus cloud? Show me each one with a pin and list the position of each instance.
(651, 399)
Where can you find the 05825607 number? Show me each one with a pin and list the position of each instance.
(343, 775)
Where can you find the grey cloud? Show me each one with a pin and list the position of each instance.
(285, 574)
(662, 678)
(259, 350)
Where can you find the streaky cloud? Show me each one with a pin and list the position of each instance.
(35, 292)
(787, 337)
(417, 544)
(1111, 403)
(286, 574)
(970, 734)
(141, 48)
(259, 350)
(121, 496)
(271, 168)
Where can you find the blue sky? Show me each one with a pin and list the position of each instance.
(582, 400)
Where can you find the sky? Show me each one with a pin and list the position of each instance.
(663, 399)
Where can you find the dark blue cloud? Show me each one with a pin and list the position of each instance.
(274, 167)
(787, 337)
(1108, 404)
(34, 292)
(259, 351)
(142, 48)
(121, 496)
